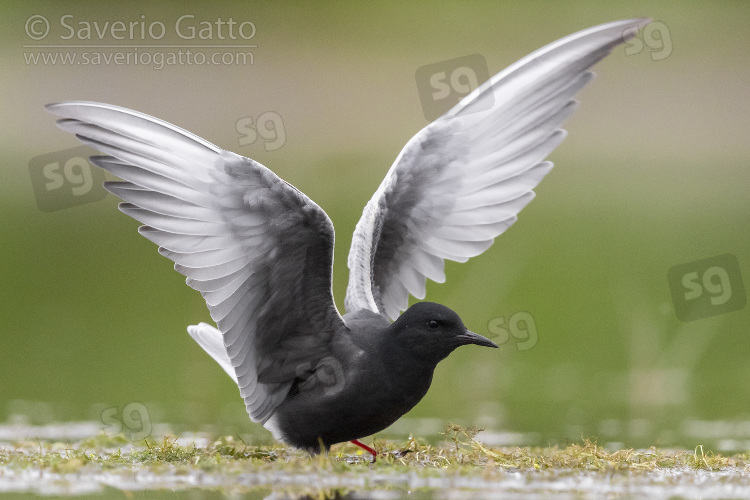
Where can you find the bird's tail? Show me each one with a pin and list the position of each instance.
(211, 340)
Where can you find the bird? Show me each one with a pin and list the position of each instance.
(261, 252)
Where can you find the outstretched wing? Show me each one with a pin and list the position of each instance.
(259, 251)
(460, 181)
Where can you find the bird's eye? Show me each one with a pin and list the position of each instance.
(433, 323)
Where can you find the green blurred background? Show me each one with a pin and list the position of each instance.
(654, 174)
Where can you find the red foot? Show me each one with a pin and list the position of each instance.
(366, 448)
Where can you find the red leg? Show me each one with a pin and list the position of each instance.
(366, 448)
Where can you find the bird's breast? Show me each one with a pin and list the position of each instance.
(370, 399)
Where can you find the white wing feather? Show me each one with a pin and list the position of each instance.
(211, 340)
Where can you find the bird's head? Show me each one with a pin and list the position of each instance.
(432, 331)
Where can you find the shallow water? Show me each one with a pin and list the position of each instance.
(356, 481)
(581, 484)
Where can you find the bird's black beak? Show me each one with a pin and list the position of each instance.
(469, 337)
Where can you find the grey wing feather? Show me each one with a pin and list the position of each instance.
(259, 251)
(461, 181)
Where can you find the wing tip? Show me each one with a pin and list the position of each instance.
(53, 107)
(627, 27)
(58, 108)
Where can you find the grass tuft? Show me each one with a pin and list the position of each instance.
(462, 452)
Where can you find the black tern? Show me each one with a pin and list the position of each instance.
(261, 252)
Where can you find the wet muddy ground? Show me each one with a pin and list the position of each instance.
(89, 463)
